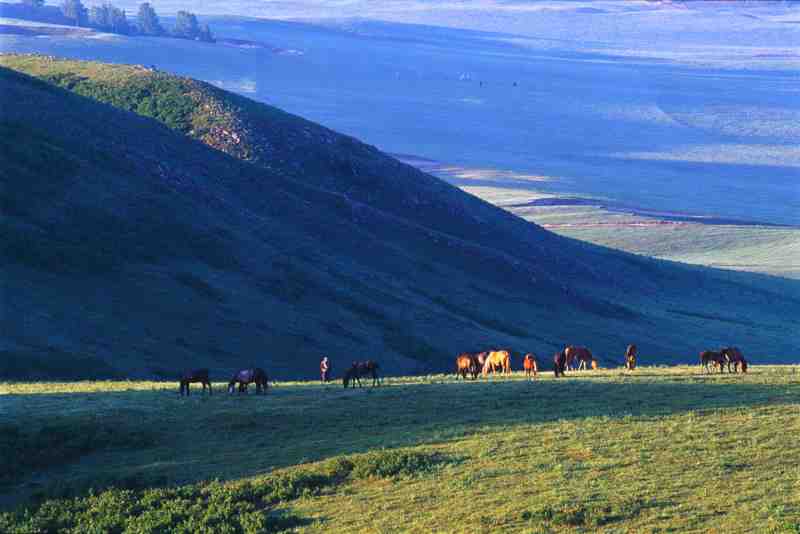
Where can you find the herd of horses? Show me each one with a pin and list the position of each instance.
(580, 358)
(493, 361)
(241, 380)
(473, 364)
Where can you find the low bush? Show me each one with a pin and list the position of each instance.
(587, 515)
(213, 507)
(395, 464)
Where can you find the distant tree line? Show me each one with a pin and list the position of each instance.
(108, 18)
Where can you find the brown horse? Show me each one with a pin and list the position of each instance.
(245, 377)
(710, 356)
(466, 364)
(734, 356)
(559, 363)
(630, 357)
(192, 377)
(359, 370)
(582, 355)
(530, 365)
(497, 360)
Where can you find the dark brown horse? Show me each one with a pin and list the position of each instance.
(466, 364)
(630, 357)
(716, 358)
(359, 370)
(530, 365)
(480, 360)
(192, 377)
(559, 363)
(582, 355)
(245, 377)
(733, 356)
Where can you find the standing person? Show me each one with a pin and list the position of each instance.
(324, 369)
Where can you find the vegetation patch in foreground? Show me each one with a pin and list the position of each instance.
(587, 515)
(240, 507)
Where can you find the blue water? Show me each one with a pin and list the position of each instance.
(658, 132)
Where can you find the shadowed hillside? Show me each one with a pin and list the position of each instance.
(131, 248)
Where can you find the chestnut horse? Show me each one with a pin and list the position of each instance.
(245, 377)
(466, 364)
(734, 356)
(709, 356)
(582, 355)
(559, 363)
(630, 357)
(359, 370)
(192, 377)
(530, 365)
(497, 360)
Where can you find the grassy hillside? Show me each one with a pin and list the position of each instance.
(659, 450)
(131, 249)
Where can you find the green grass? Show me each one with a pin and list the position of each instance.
(659, 450)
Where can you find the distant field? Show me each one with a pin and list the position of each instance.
(664, 449)
(773, 250)
(763, 249)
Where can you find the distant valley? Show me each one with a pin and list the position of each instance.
(555, 106)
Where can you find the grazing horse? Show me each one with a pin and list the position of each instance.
(710, 356)
(582, 355)
(530, 365)
(630, 357)
(195, 376)
(497, 360)
(480, 360)
(359, 370)
(466, 364)
(734, 356)
(245, 377)
(559, 363)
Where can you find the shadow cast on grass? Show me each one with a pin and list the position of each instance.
(227, 438)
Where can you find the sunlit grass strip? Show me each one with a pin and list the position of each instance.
(642, 372)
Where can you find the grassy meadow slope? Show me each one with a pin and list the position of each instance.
(240, 234)
(658, 450)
